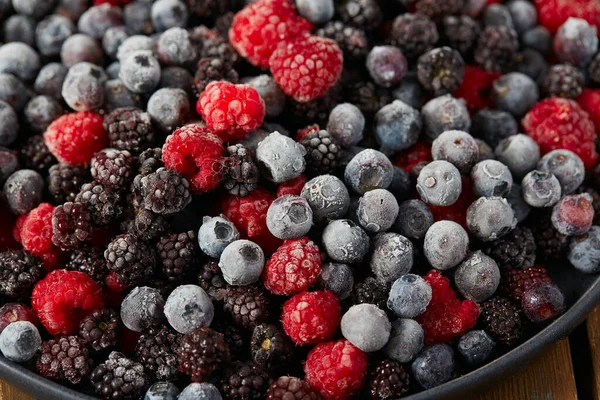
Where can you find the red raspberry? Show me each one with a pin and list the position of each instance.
(258, 28)
(113, 283)
(231, 111)
(408, 159)
(197, 154)
(16, 231)
(590, 102)
(63, 298)
(558, 123)
(476, 87)
(336, 369)
(311, 317)
(303, 132)
(446, 317)
(456, 212)
(292, 187)
(553, 13)
(75, 138)
(307, 67)
(36, 235)
(112, 2)
(293, 267)
(516, 281)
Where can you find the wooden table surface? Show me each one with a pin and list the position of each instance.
(568, 370)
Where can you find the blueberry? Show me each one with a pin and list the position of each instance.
(19, 28)
(113, 69)
(439, 183)
(368, 170)
(458, 148)
(346, 124)
(409, 297)
(35, 9)
(337, 278)
(14, 92)
(98, 19)
(188, 307)
(169, 14)
(316, 11)
(253, 138)
(176, 78)
(9, 124)
(40, 112)
(401, 185)
(391, 257)
(137, 18)
(497, 14)
(142, 308)
(493, 126)
(573, 214)
(543, 301)
(112, 39)
(280, 158)
(533, 64)
(406, 340)
(520, 153)
(414, 219)
(289, 217)
(215, 234)
(116, 95)
(162, 391)
(386, 65)
(566, 166)
(20, 341)
(200, 391)
(540, 189)
(23, 191)
(524, 15)
(72, 9)
(174, 47)
(397, 127)
(491, 178)
(576, 42)
(83, 88)
(515, 93)
(410, 92)
(377, 210)
(434, 366)
(518, 204)
(169, 109)
(366, 326)
(584, 251)
(538, 38)
(477, 277)
(78, 48)
(476, 347)
(140, 72)
(136, 43)
(345, 242)
(8, 164)
(328, 198)
(445, 113)
(446, 244)
(490, 218)
(485, 151)
(242, 262)
(270, 92)
(51, 33)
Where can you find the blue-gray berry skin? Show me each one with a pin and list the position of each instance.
(515, 93)
(540, 189)
(176, 78)
(386, 65)
(83, 88)
(346, 124)
(112, 39)
(566, 166)
(406, 340)
(576, 42)
(328, 198)
(270, 92)
(200, 391)
(136, 43)
(112, 71)
(142, 308)
(345, 242)
(491, 178)
(35, 9)
(489, 218)
(116, 95)
(476, 347)
(19, 28)
(14, 92)
(414, 219)
(242, 262)
(397, 127)
(188, 307)
(168, 14)
(409, 296)
(434, 366)
(439, 183)
(289, 217)
(366, 326)
(445, 113)
(493, 126)
(520, 153)
(523, 13)
(215, 234)
(485, 151)
(23, 191)
(79, 48)
(97, 19)
(39, 113)
(337, 278)
(446, 244)
(477, 277)
(20, 341)
(50, 80)
(537, 38)
(162, 391)
(392, 256)
(584, 251)
(8, 164)
(140, 72)
(368, 170)
(316, 11)
(137, 17)
(533, 64)
(458, 148)
(280, 158)
(377, 210)
(174, 47)
(401, 185)
(20, 60)
(169, 108)
(410, 92)
(51, 33)
(9, 124)
(518, 204)
(497, 15)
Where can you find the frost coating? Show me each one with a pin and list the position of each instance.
(368, 170)
(406, 340)
(280, 158)
(439, 183)
(490, 218)
(142, 308)
(392, 257)
(367, 327)
(446, 244)
(289, 217)
(344, 241)
(584, 252)
(242, 262)
(478, 277)
(328, 198)
(188, 307)
(215, 234)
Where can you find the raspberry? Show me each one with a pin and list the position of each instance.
(63, 298)
(261, 26)
(293, 267)
(558, 123)
(517, 281)
(553, 13)
(446, 317)
(420, 152)
(36, 235)
(336, 369)
(231, 111)
(590, 102)
(307, 67)
(75, 138)
(112, 2)
(197, 154)
(292, 187)
(476, 88)
(311, 317)
(456, 212)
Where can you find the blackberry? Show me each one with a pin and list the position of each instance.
(19, 272)
(461, 33)
(549, 243)
(64, 182)
(353, 41)
(322, 153)
(367, 96)
(437, 9)
(201, 352)
(248, 306)
(289, 387)
(516, 281)
(271, 347)
(211, 44)
(211, 280)
(178, 254)
(164, 191)
(89, 260)
(129, 128)
(245, 381)
(370, 291)
(497, 48)
(415, 34)
(149, 161)
(211, 8)
(502, 319)
(241, 175)
(145, 225)
(223, 23)
(36, 155)
(563, 80)
(130, 259)
(103, 203)
(441, 70)
(71, 225)
(389, 381)
(157, 350)
(65, 358)
(101, 329)
(112, 168)
(364, 14)
(593, 70)
(515, 250)
(119, 378)
(213, 69)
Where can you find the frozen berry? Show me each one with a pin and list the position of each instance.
(20, 341)
(406, 340)
(439, 183)
(573, 214)
(366, 327)
(392, 256)
(188, 307)
(490, 218)
(543, 301)
(491, 178)
(445, 113)
(409, 296)
(414, 219)
(477, 277)
(215, 234)
(458, 148)
(289, 217)
(446, 244)
(142, 308)
(540, 189)
(328, 198)
(311, 317)
(566, 166)
(397, 127)
(476, 347)
(344, 241)
(242, 262)
(434, 366)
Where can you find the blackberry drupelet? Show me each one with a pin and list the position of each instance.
(245, 381)
(223, 23)
(461, 32)
(157, 350)
(211, 280)
(289, 387)
(438, 9)
(129, 128)
(71, 225)
(414, 34)
(364, 14)
(146, 225)
(371, 291)
(112, 168)
(322, 153)
(131, 259)
(64, 182)
(549, 243)
(213, 69)
(389, 381)
(248, 306)
(367, 96)
(35, 155)
(271, 348)
(164, 191)
(516, 281)
(149, 161)
(441, 70)
(502, 319)
(19, 272)
(89, 260)
(101, 329)
(497, 48)
(515, 250)
(563, 80)
(65, 358)
(178, 254)
(201, 352)
(211, 44)
(241, 174)
(119, 378)
(353, 41)
(103, 203)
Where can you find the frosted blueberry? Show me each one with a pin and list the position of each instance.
(242, 262)
(386, 65)
(366, 326)
(136, 43)
(377, 210)
(280, 158)
(328, 198)
(409, 297)
(520, 153)
(566, 166)
(490, 218)
(476, 347)
(215, 234)
(200, 391)
(140, 72)
(344, 241)
(540, 189)
(445, 113)
(83, 88)
(346, 124)
(188, 307)
(337, 278)
(439, 183)
(518, 204)
(142, 308)
(477, 277)
(491, 178)
(316, 11)
(434, 366)
(368, 170)
(414, 219)
(289, 217)
(391, 257)
(584, 251)
(406, 340)
(458, 148)
(397, 127)
(20, 341)
(446, 244)
(162, 391)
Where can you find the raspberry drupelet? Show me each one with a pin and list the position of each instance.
(311, 317)
(36, 235)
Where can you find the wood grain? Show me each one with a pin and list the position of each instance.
(11, 393)
(593, 331)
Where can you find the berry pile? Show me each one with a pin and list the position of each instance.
(290, 199)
